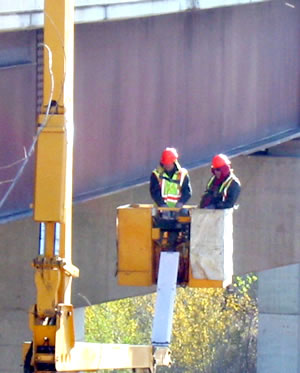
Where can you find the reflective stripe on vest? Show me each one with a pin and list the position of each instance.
(224, 186)
(171, 187)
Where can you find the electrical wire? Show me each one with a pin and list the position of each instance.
(16, 162)
(40, 129)
(43, 125)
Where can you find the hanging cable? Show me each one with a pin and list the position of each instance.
(40, 129)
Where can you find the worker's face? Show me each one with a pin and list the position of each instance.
(217, 173)
(169, 167)
(222, 172)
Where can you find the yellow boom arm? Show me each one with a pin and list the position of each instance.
(53, 347)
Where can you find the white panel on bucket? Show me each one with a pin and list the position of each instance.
(166, 292)
(211, 247)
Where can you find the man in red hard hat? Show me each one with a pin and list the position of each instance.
(170, 183)
(223, 188)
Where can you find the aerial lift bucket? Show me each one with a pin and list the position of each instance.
(204, 242)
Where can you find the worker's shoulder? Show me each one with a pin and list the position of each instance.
(236, 179)
(183, 171)
(157, 172)
(159, 169)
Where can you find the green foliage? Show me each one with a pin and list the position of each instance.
(214, 330)
(123, 321)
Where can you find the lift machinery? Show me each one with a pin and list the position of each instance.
(151, 249)
(173, 247)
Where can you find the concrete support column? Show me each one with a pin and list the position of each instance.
(279, 320)
(14, 331)
(79, 314)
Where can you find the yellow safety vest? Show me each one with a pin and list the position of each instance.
(223, 187)
(170, 187)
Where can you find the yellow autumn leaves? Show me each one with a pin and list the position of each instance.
(214, 330)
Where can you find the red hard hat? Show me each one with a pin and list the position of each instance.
(168, 156)
(220, 160)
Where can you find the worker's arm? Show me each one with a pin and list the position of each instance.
(186, 191)
(155, 191)
(207, 198)
(232, 196)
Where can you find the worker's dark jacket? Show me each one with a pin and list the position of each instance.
(156, 185)
(221, 195)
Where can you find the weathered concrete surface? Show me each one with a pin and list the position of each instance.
(266, 233)
(16, 290)
(279, 320)
(211, 245)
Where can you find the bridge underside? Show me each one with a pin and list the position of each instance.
(204, 81)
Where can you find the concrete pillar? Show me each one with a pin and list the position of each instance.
(14, 331)
(79, 314)
(279, 320)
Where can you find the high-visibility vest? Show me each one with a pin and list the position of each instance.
(170, 187)
(223, 187)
